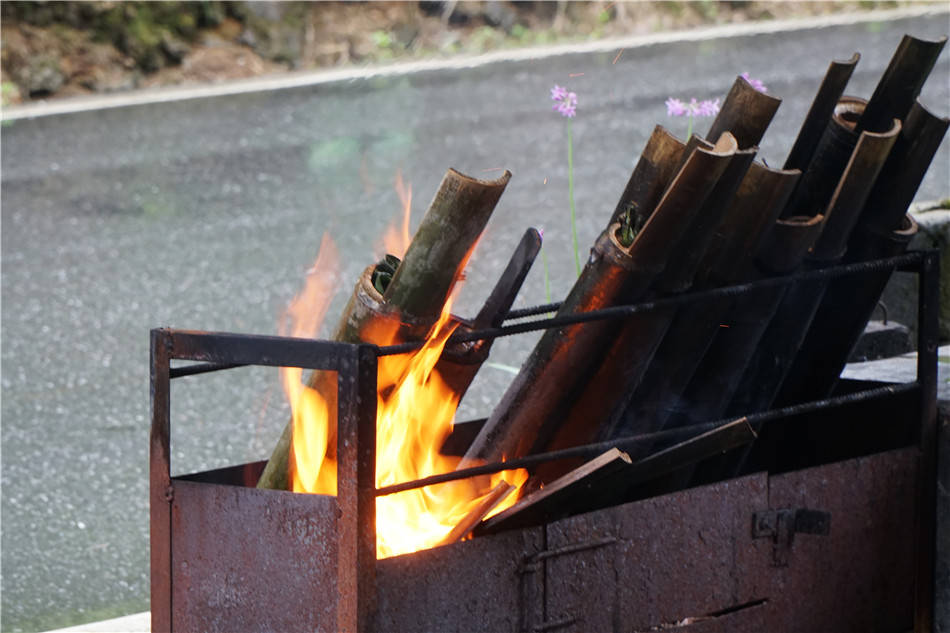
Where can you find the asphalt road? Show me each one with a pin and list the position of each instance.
(205, 214)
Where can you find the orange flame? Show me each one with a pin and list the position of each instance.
(312, 470)
(396, 240)
(415, 411)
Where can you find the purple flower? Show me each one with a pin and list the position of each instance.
(565, 102)
(708, 107)
(755, 83)
(675, 107)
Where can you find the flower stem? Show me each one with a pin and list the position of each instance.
(547, 278)
(689, 128)
(570, 194)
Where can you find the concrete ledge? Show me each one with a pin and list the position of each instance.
(135, 623)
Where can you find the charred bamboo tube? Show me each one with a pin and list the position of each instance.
(822, 108)
(844, 313)
(658, 163)
(882, 231)
(921, 135)
(606, 393)
(717, 375)
(788, 327)
(438, 253)
(460, 362)
(901, 82)
(761, 196)
(746, 114)
(562, 360)
(828, 163)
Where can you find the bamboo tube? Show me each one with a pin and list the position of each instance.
(597, 408)
(882, 231)
(762, 195)
(896, 186)
(789, 325)
(822, 108)
(828, 162)
(901, 82)
(442, 243)
(563, 359)
(746, 114)
(844, 313)
(717, 375)
(606, 394)
(438, 253)
(460, 362)
(659, 162)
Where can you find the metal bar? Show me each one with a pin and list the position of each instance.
(645, 441)
(532, 311)
(202, 368)
(615, 312)
(928, 304)
(248, 349)
(356, 475)
(160, 488)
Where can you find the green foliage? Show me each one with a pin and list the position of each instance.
(381, 39)
(9, 92)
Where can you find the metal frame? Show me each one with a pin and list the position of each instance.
(356, 370)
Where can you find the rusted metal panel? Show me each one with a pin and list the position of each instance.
(656, 561)
(252, 560)
(478, 585)
(861, 576)
(159, 477)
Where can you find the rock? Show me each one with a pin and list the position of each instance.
(882, 340)
(42, 75)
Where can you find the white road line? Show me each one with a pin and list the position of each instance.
(313, 78)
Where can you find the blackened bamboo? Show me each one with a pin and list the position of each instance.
(746, 114)
(562, 361)
(789, 325)
(882, 231)
(828, 162)
(606, 393)
(819, 115)
(901, 82)
(716, 377)
(756, 206)
(460, 362)
(844, 313)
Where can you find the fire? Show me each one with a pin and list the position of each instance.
(396, 241)
(415, 412)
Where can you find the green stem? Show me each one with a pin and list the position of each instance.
(547, 278)
(570, 194)
(689, 128)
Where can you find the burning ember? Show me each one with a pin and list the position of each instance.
(415, 411)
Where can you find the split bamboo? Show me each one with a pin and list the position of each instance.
(746, 114)
(563, 359)
(762, 195)
(606, 393)
(789, 325)
(883, 230)
(899, 86)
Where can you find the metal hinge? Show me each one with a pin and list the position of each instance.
(782, 525)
